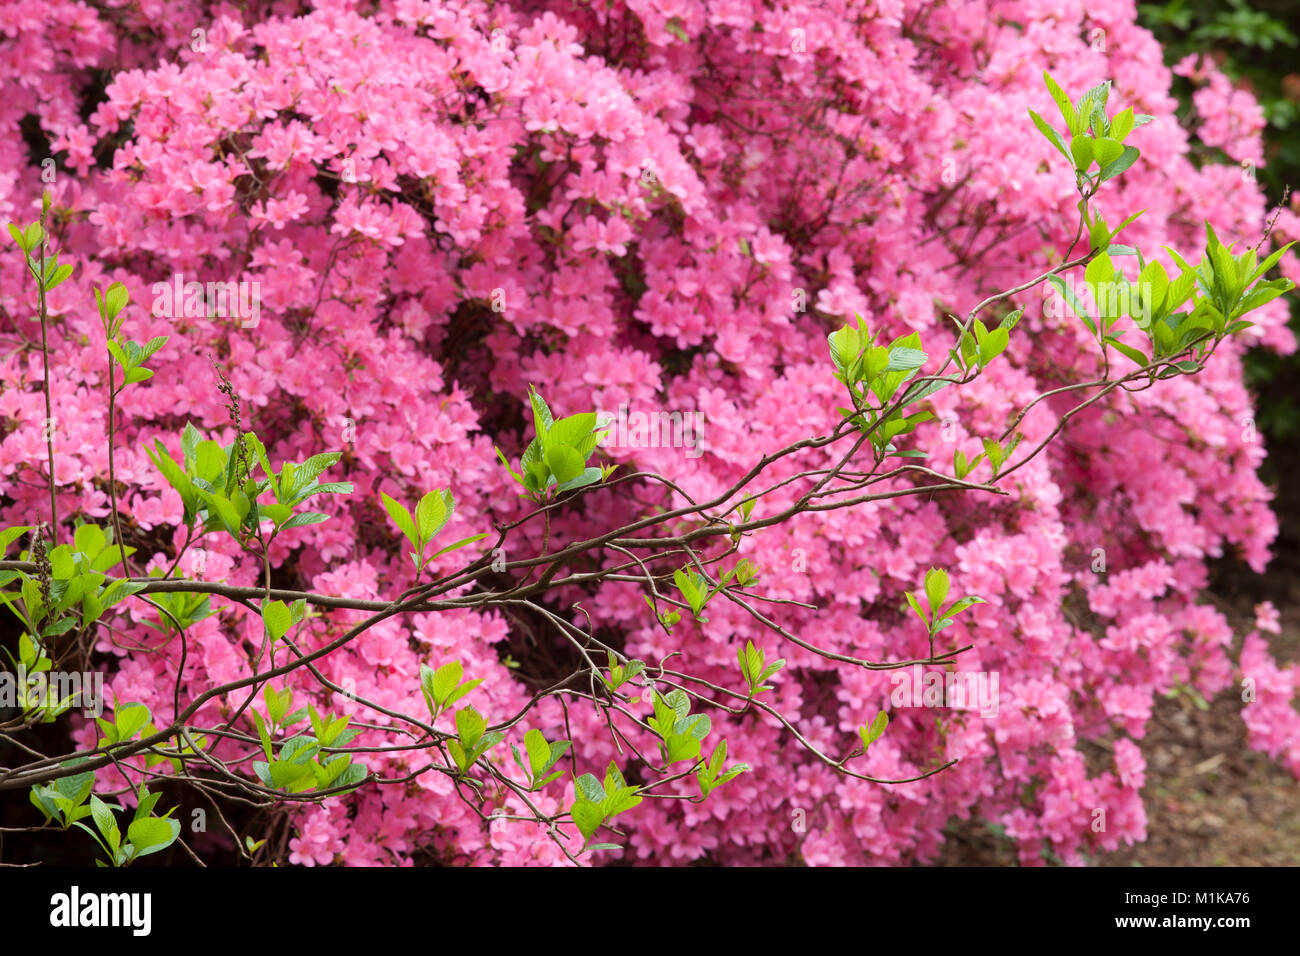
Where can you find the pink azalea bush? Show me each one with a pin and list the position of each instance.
(660, 205)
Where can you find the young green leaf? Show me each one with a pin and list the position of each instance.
(872, 732)
(401, 517)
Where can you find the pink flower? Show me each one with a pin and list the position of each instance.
(1267, 619)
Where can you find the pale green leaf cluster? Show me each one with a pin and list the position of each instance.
(432, 513)
(555, 460)
(939, 616)
(873, 374)
(304, 761)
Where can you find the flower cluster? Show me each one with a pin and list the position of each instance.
(668, 206)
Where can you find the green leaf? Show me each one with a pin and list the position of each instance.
(1099, 270)
(210, 461)
(541, 414)
(681, 747)
(129, 718)
(1147, 297)
(564, 461)
(1127, 222)
(916, 606)
(1262, 293)
(587, 817)
(401, 517)
(41, 798)
(299, 479)
(145, 803)
(251, 441)
(572, 430)
(294, 777)
(1270, 262)
(432, 513)
(846, 344)
(306, 518)
(277, 619)
(276, 705)
(225, 510)
(9, 535)
(620, 801)
(152, 346)
(936, 588)
(115, 299)
(1127, 351)
(190, 440)
(960, 605)
(539, 752)
(263, 733)
(1081, 150)
(692, 587)
(1067, 294)
(696, 725)
(175, 477)
(905, 359)
(1126, 159)
(57, 278)
(459, 544)
(589, 788)
(532, 461)
(151, 834)
(102, 816)
(1062, 101)
(119, 590)
(89, 540)
(558, 749)
(445, 679)
(923, 390)
(588, 477)
(470, 726)
(993, 345)
(1051, 134)
(1121, 125)
(75, 788)
(870, 734)
(1106, 151)
(278, 513)
(664, 719)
